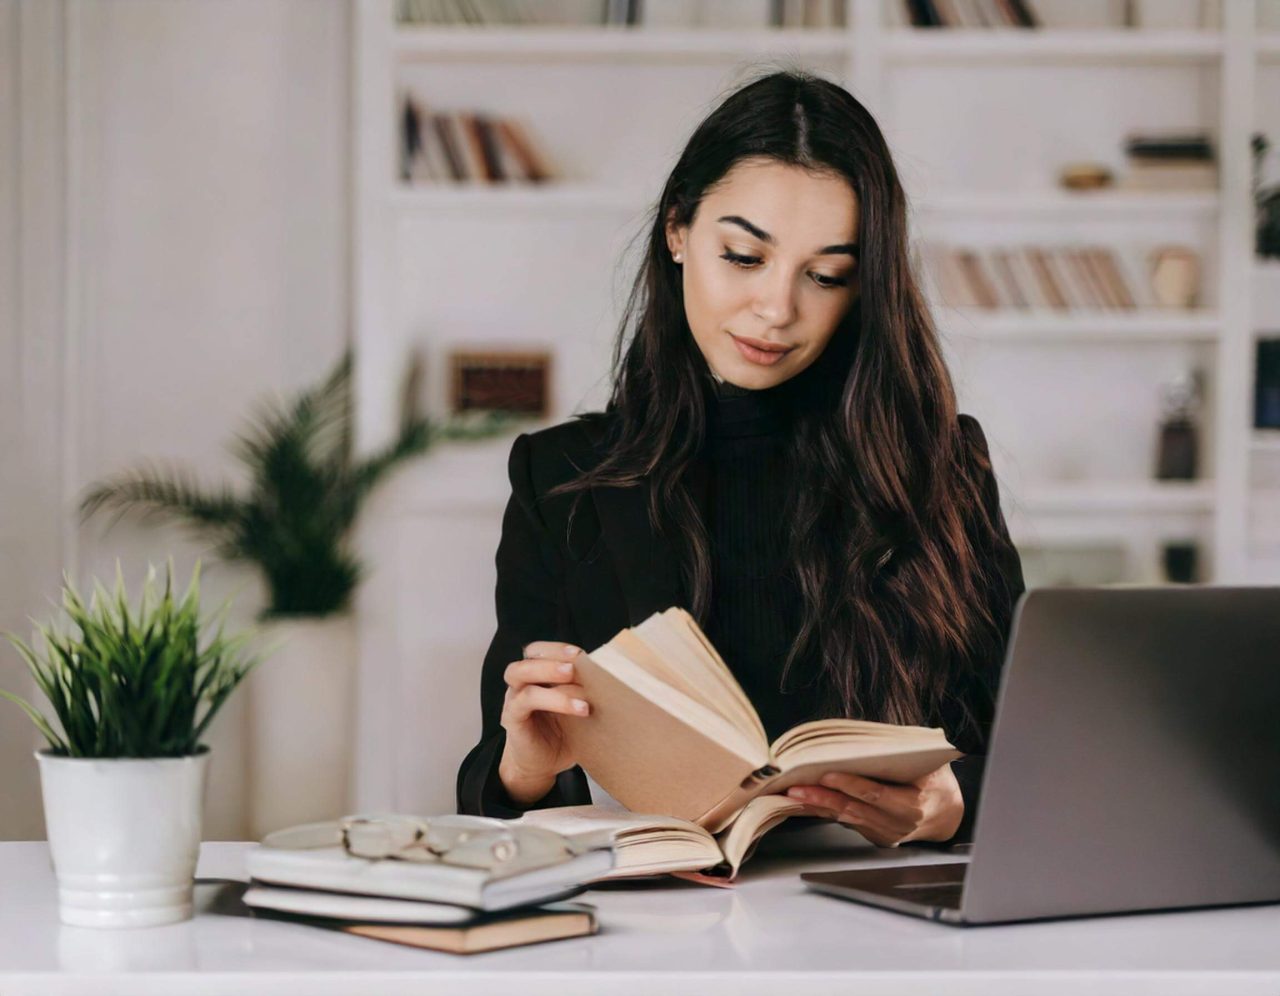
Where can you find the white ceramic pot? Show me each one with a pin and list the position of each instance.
(124, 834)
(301, 716)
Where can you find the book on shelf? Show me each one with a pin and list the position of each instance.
(517, 12)
(424, 925)
(1175, 160)
(727, 14)
(966, 14)
(1062, 278)
(671, 731)
(461, 146)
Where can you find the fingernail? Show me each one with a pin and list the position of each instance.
(572, 651)
(566, 667)
(580, 705)
(796, 793)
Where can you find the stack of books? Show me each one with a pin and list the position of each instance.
(305, 874)
(1171, 161)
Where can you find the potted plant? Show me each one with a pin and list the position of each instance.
(294, 523)
(133, 692)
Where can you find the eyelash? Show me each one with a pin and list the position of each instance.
(746, 262)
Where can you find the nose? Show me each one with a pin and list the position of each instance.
(774, 303)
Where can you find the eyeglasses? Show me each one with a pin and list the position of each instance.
(460, 840)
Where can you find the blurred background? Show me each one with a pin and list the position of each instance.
(204, 203)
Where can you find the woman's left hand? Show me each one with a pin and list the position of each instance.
(930, 808)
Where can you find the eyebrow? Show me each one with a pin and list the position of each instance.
(845, 248)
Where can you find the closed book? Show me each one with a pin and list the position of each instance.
(1106, 262)
(472, 935)
(1171, 176)
(1045, 279)
(332, 869)
(671, 731)
(532, 165)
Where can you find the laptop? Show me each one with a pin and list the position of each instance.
(1134, 764)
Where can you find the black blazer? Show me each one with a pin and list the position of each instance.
(582, 582)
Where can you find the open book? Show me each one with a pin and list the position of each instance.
(671, 731)
(649, 844)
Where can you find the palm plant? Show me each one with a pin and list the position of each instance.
(306, 489)
(132, 684)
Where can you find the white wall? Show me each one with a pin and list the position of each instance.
(206, 257)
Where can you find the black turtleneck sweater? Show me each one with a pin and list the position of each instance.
(755, 602)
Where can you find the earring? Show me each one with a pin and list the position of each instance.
(679, 258)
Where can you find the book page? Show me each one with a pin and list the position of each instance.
(691, 681)
(686, 627)
(665, 641)
(874, 750)
(757, 818)
(852, 729)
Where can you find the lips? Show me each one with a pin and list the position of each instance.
(759, 352)
(761, 344)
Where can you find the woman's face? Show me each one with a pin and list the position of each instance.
(769, 269)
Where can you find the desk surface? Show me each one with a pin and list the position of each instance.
(769, 934)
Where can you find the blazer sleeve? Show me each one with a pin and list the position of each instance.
(530, 606)
(1005, 585)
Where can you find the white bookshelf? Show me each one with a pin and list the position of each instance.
(875, 59)
(1069, 401)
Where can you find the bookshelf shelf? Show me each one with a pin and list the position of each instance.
(1089, 204)
(557, 196)
(1093, 326)
(997, 45)
(590, 42)
(1266, 441)
(1118, 498)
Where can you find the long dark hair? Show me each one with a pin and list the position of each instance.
(889, 541)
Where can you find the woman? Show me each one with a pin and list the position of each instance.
(782, 455)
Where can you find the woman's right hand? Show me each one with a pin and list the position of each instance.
(541, 688)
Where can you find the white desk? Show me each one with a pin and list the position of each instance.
(770, 935)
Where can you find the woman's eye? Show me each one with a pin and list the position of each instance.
(746, 262)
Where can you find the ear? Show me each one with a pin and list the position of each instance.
(676, 234)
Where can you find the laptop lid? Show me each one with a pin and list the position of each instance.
(1135, 756)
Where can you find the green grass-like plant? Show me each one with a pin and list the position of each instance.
(306, 487)
(133, 683)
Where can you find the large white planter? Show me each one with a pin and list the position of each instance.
(301, 717)
(124, 834)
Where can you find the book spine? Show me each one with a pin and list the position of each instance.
(759, 775)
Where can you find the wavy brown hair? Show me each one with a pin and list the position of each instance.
(890, 543)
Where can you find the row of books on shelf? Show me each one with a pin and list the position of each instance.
(453, 146)
(970, 14)
(1056, 278)
(630, 13)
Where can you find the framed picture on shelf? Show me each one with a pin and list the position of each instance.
(500, 380)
